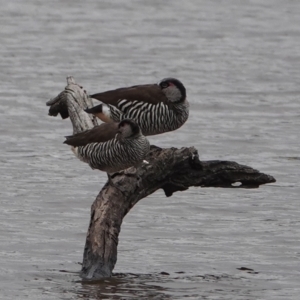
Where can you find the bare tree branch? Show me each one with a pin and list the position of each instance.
(169, 169)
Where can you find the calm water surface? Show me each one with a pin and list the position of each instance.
(240, 62)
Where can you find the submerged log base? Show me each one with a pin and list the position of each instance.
(169, 169)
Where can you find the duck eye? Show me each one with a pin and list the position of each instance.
(164, 84)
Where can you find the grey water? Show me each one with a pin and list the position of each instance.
(240, 63)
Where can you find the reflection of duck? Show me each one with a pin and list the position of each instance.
(156, 108)
(111, 147)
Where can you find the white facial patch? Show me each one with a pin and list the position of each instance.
(172, 93)
(126, 130)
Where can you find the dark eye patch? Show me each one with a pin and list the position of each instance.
(164, 84)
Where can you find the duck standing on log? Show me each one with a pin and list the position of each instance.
(118, 146)
(156, 108)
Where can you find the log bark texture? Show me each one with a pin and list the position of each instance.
(169, 169)
(71, 102)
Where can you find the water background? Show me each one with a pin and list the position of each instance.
(240, 63)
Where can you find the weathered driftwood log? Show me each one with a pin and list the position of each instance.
(71, 103)
(169, 169)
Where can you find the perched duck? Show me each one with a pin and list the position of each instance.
(111, 147)
(156, 108)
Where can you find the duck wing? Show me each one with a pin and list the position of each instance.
(149, 93)
(98, 134)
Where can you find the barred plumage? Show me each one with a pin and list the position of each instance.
(156, 108)
(128, 148)
(152, 118)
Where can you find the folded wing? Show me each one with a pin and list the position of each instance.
(150, 93)
(98, 134)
